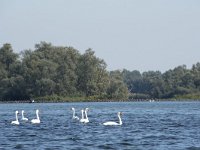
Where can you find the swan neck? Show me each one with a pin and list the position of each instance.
(82, 114)
(16, 117)
(73, 113)
(120, 120)
(22, 114)
(86, 114)
(37, 116)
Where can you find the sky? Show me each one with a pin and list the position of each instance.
(142, 35)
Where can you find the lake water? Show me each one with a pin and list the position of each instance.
(155, 126)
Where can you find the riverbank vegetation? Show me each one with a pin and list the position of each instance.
(62, 73)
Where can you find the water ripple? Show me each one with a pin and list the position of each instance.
(158, 126)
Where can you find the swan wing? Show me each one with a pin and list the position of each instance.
(82, 120)
(110, 123)
(35, 121)
(77, 118)
(15, 122)
(86, 121)
(25, 119)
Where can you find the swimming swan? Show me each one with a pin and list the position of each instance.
(84, 120)
(86, 117)
(23, 118)
(37, 120)
(111, 123)
(82, 117)
(16, 121)
(74, 117)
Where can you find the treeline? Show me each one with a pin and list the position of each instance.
(179, 83)
(57, 72)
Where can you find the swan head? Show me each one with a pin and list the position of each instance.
(86, 109)
(119, 113)
(16, 112)
(73, 108)
(22, 111)
(37, 111)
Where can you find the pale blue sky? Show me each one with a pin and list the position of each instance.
(133, 34)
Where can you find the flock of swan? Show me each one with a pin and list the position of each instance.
(84, 118)
(34, 121)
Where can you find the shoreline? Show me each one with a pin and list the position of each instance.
(81, 101)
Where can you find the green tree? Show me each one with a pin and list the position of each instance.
(196, 75)
(11, 81)
(117, 88)
(92, 74)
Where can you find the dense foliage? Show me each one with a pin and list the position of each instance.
(177, 83)
(57, 72)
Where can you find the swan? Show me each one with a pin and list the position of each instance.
(111, 123)
(86, 117)
(74, 117)
(82, 118)
(37, 120)
(23, 118)
(16, 121)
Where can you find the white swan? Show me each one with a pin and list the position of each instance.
(82, 118)
(74, 117)
(23, 118)
(111, 123)
(16, 121)
(37, 120)
(86, 117)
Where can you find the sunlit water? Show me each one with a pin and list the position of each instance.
(156, 125)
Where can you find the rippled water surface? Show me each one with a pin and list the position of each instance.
(156, 125)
